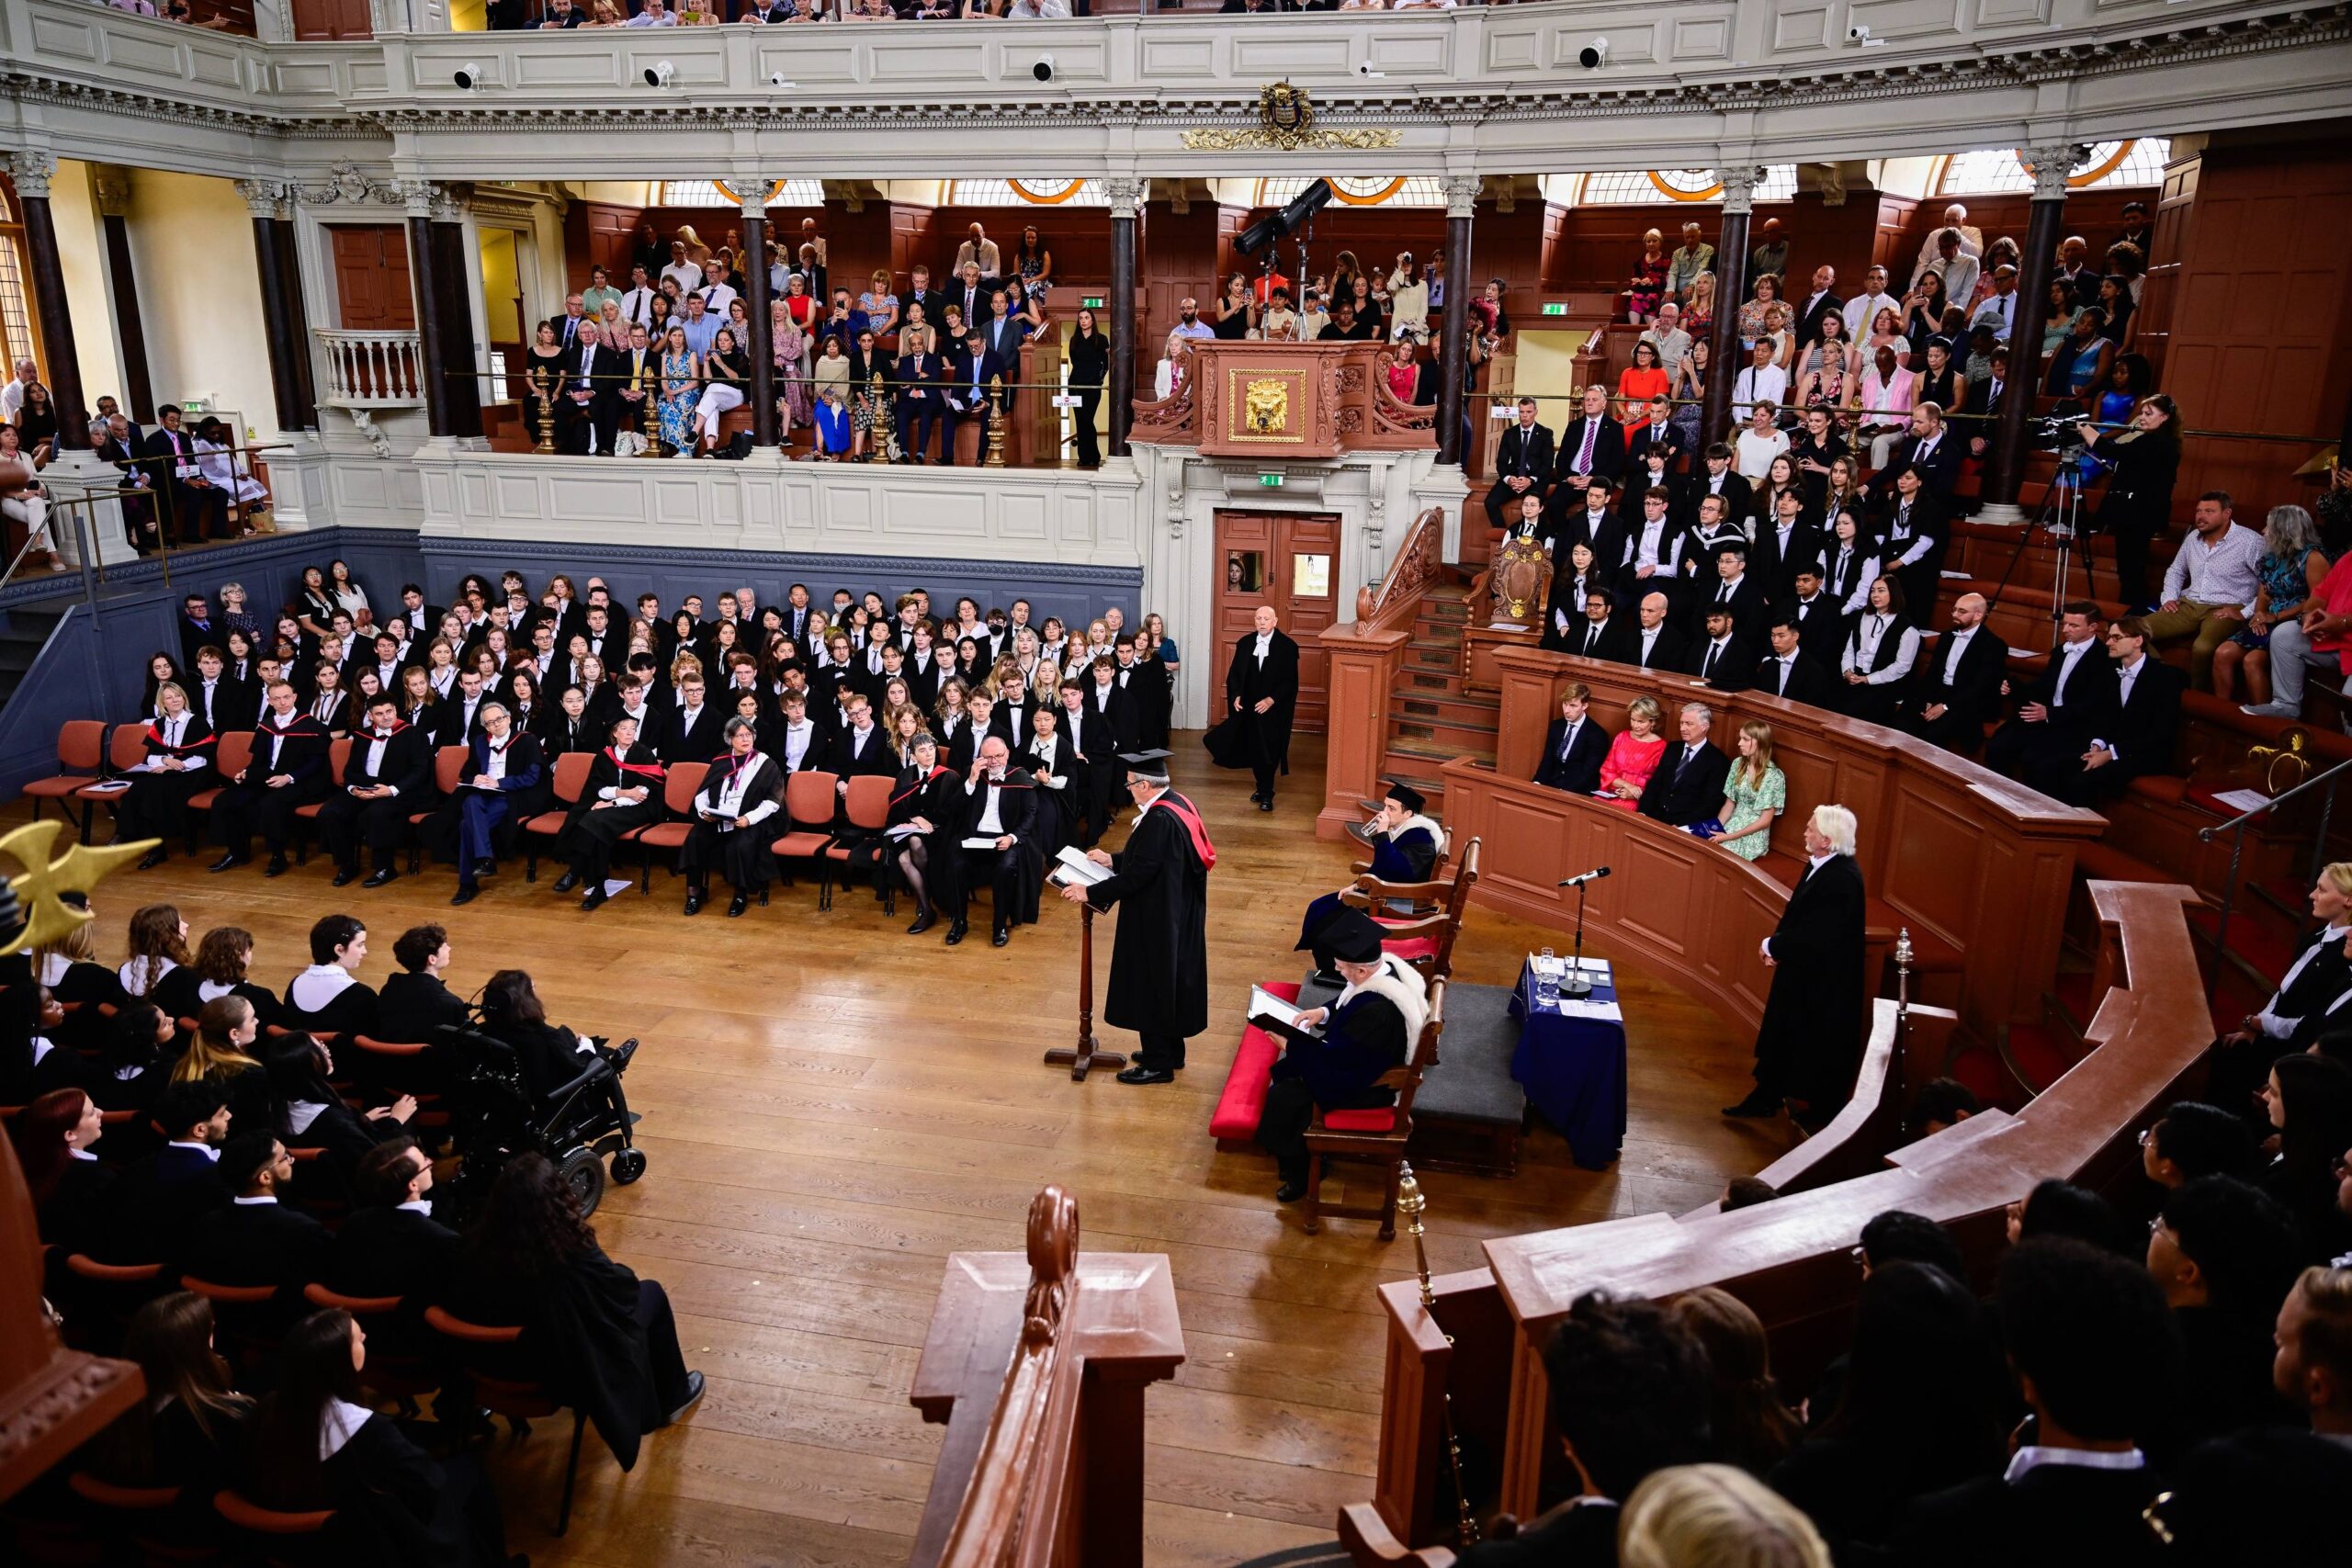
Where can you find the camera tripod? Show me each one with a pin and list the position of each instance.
(2061, 518)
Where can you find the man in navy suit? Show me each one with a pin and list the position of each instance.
(922, 375)
(503, 771)
(1689, 785)
(2133, 736)
(967, 392)
(1522, 463)
(1575, 745)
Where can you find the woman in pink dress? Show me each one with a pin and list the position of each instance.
(1404, 374)
(1633, 756)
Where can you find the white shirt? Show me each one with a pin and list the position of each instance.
(1265, 645)
(1756, 384)
(496, 766)
(1755, 452)
(1954, 646)
(314, 988)
(339, 1422)
(732, 787)
(796, 743)
(172, 731)
(2069, 656)
(1862, 311)
(375, 744)
(301, 1113)
(2222, 572)
(2031, 1454)
(207, 1150)
(140, 976)
(991, 822)
(688, 277)
(2268, 1020)
(637, 305)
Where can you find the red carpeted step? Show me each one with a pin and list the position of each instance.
(2259, 943)
(2041, 1054)
(1985, 1078)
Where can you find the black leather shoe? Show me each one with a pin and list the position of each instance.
(1754, 1105)
(694, 1397)
(694, 901)
(152, 859)
(1266, 802)
(593, 899)
(485, 868)
(737, 904)
(381, 877)
(1003, 934)
(955, 933)
(227, 861)
(923, 923)
(567, 882)
(345, 878)
(1290, 1191)
(466, 893)
(1147, 1075)
(276, 866)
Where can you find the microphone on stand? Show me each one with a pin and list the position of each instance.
(1595, 874)
(1579, 983)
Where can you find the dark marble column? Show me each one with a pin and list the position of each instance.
(2005, 455)
(110, 188)
(33, 172)
(1126, 206)
(762, 348)
(1731, 287)
(1453, 333)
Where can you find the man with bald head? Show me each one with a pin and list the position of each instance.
(1656, 643)
(1961, 682)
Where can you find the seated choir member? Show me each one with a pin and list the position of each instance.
(1406, 845)
(929, 799)
(605, 1340)
(1689, 783)
(387, 776)
(1633, 756)
(2133, 732)
(623, 794)
(415, 1003)
(742, 791)
(1000, 806)
(1880, 653)
(162, 1192)
(549, 1055)
(1576, 745)
(1370, 1029)
(192, 1426)
(71, 1188)
(324, 998)
(504, 781)
(390, 1245)
(313, 1115)
(318, 1446)
(178, 762)
(254, 1239)
(289, 769)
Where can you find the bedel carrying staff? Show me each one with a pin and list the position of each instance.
(1261, 698)
(1159, 959)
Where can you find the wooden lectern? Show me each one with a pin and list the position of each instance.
(1088, 1051)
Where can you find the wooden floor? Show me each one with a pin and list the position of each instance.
(831, 1107)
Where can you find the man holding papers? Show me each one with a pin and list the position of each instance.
(1337, 1056)
(1159, 961)
(998, 844)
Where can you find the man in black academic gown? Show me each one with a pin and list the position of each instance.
(289, 769)
(1159, 959)
(1368, 1031)
(1960, 681)
(1001, 806)
(1689, 785)
(1576, 745)
(254, 1239)
(1260, 696)
(1788, 671)
(387, 776)
(623, 794)
(1810, 1043)
(391, 1244)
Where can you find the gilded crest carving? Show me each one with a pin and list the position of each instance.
(1287, 123)
(1266, 406)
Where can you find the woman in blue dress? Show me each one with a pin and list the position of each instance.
(833, 423)
(1755, 793)
(2287, 581)
(681, 387)
(1405, 848)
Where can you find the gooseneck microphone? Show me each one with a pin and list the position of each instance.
(1595, 874)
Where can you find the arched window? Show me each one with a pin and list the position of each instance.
(1359, 190)
(707, 193)
(1635, 187)
(1023, 192)
(1994, 171)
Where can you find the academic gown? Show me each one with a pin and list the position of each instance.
(1809, 1043)
(155, 806)
(1245, 738)
(1058, 792)
(1159, 959)
(742, 855)
(1407, 854)
(396, 1508)
(1018, 873)
(590, 835)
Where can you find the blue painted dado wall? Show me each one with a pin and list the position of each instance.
(93, 665)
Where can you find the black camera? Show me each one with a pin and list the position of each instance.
(2056, 433)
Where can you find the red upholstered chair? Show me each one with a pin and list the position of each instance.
(242, 1314)
(808, 801)
(1376, 1136)
(487, 1353)
(572, 770)
(81, 749)
(448, 769)
(678, 792)
(106, 1294)
(280, 1539)
(126, 749)
(230, 757)
(868, 810)
(142, 1517)
(338, 759)
(1425, 941)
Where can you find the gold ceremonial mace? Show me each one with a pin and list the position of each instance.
(34, 892)
(1410, 1203)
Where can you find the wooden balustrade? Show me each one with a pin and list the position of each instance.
(1277, 402)
(1038, 1363)
(1364, 655)
(1788, 1258)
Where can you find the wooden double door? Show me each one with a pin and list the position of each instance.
(1290, 560)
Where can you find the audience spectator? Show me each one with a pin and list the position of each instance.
(2137, 504)
(1747, 1423)
(2225, 1255)
(1711, 1515)
(2287, 584)
(2210, 587)
(2192, 1140)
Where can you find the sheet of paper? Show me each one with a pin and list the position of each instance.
(1605, 1012)
(614, 885)
(979, 842)
(1559, 967)
(1265, 1004)
(903, 830)
(1072, 865)
(2243, 799)
(110, 786)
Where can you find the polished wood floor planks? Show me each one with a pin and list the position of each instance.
(831, 1107)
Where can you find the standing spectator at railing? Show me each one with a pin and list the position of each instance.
(26, 509)
(979, 251)
(790, 348)
(1089, 354)
(1236, 313)
(1408, 301)
(1690, 259)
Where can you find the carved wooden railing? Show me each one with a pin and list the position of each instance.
(1482, 1332)
(1365, 656)
(1173, 420)
(1038, 1365)
(1396, 599)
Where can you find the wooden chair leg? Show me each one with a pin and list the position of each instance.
(1312, 1215)
(1388, 1203)
(571, 1470)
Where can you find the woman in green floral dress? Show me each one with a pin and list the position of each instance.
(1756, 794)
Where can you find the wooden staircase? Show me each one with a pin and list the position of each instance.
(1431, 719)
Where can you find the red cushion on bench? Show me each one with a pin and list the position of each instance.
(1380, 1118)
(1412, 949)
(2160, 786)
(1245, 1086)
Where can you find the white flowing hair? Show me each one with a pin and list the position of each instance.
(1836, 824)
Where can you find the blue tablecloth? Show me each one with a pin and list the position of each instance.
(1573, 1071)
